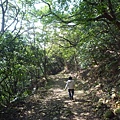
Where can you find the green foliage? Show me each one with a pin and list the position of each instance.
(95, 41)
(108, 114)
(117, 111)
(11, 68)
(19, 66)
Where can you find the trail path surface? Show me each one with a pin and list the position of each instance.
(54, 104)
(57, 106)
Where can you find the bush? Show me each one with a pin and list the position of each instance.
(108, 114)
(117, 111)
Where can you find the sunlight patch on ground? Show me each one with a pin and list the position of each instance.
(59, 93)
(79, 92)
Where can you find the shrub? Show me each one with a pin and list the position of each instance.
(108, 114)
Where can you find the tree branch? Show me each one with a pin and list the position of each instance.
(70, 42)
(111, 9)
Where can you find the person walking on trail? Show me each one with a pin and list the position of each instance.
(70, 85)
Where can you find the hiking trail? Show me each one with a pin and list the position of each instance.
(54, 103)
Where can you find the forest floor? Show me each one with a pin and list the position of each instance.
(52, 102)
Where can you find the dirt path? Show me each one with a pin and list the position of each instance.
(81, 108)
(57, 106)
(54, 104)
